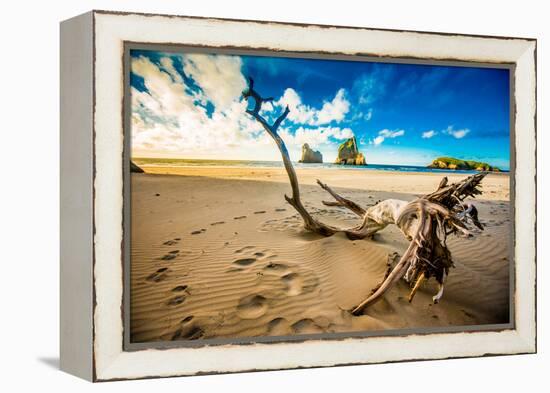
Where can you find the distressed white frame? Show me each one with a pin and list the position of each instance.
(111, 30)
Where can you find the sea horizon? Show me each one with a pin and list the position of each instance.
(192, 162)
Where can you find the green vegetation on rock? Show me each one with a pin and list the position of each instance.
(348, 154)
(455, 163)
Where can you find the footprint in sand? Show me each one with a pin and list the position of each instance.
(259, 254)
(276, 267)
(252, 306)
(322, 322)
(299, 283)
(279, 327)
(180, 288)
(306, 326)
(159, 275)
(280, 209)
(172, 242)
(260, 212)
(293, 283)
(171, 255)
(176, 300)
(244, 261)
(187, 319)
(243, 249)
(217, 223)
(239, 217)
(188, 332)
(282, 224)
(198, 232)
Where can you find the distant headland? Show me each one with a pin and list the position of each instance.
(455, 163)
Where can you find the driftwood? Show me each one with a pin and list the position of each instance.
(425, 221)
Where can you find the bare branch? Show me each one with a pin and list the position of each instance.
(367, 228)
(426, 221)
(341, 201)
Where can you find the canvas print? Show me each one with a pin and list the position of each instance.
(282, 197)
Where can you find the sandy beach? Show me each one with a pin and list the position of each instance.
(216, 252)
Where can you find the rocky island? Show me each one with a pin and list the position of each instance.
(455, 163)
(348, 154)
(310, 156)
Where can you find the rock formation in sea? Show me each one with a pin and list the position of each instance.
(135, 169)
(455, 163)
(348, 154)
(310, 156)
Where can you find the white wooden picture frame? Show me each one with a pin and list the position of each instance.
(92, 194)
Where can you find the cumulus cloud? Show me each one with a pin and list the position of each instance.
(191, 106)
(219, 77)
(321, 138)
(315, 137)
(385, 134)
(334, 110)
(429, 134)
(458, 134)
(169, 117)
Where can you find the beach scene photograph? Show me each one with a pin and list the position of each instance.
(278, 196)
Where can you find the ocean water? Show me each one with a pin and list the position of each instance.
(278, 164)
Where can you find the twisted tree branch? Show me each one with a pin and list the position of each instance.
(426, 221)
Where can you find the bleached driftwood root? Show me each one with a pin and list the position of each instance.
(425, 221)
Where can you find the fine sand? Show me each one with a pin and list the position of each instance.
(218, 253)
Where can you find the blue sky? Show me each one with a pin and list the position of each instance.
(189, 105)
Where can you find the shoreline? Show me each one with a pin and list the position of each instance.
(496, 185)
(206, 163)
(332, 166)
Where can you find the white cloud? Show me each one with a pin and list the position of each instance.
(318, 138)
(378, 140)
(207, 117)
(314, 136)
(384, 134)
(219, 76)
(368, 89)
(458, 134)
(367, 116)
(429, 134)
(361, 115)
(391, 134)
(334, 110)
(167, 119)
(371, 86)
